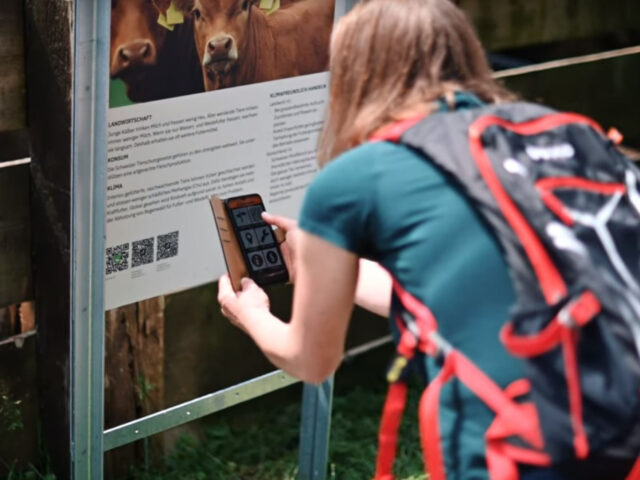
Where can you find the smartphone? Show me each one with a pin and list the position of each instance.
(256, 239)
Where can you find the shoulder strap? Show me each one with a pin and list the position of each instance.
(393, 133)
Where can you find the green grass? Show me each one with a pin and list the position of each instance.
(32, 473)
(263, 445)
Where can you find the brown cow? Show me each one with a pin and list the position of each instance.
(153, 62)
(240, 44)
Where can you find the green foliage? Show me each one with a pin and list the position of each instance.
(10, 413)
(10, 469)
(263, 445)
(144, 388)
(12, 472)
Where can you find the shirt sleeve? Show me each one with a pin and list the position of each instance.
(339, 202)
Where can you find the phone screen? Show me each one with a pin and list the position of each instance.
(257, 240)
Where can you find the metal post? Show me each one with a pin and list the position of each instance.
(89, 159)
(314, 431)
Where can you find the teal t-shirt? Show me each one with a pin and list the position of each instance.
(388, 203)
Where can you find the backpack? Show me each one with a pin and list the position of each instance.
(564, 204)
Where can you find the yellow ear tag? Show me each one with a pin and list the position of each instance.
(275, 7)
(162, 20)
(174, 16)
(266, 4)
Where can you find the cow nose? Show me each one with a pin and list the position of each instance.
(141, 52)
(220, 47)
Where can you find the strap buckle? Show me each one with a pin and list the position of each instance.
(398, 369)
(406, 350)
(580, 311)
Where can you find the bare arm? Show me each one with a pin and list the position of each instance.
(311, 345)
(373, 292)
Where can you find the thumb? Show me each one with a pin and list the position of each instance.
(224, 286)
(247, 283)
(284, 223)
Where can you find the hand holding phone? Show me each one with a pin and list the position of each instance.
(249, 243)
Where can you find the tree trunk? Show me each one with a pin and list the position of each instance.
(134, 376)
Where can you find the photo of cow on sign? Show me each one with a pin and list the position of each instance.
(239, 43)
(169, 48)
(152, 59)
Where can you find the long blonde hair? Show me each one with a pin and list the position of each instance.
(394, 57)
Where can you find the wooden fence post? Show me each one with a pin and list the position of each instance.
(134, 376)
(49, 38)
(12, 91)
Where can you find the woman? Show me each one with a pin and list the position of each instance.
(394, 60)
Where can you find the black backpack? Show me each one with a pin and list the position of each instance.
(564, 204)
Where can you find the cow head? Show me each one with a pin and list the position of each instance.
(220, 30)
(136, 39)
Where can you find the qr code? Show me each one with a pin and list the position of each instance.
(142, 252)
(117, 258)
(167, 245)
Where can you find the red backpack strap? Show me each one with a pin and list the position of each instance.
(429, 420)
(389, 427)
(393, 132)
(512, 418)
(395, 403)
(561, 331)
(634, 474)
